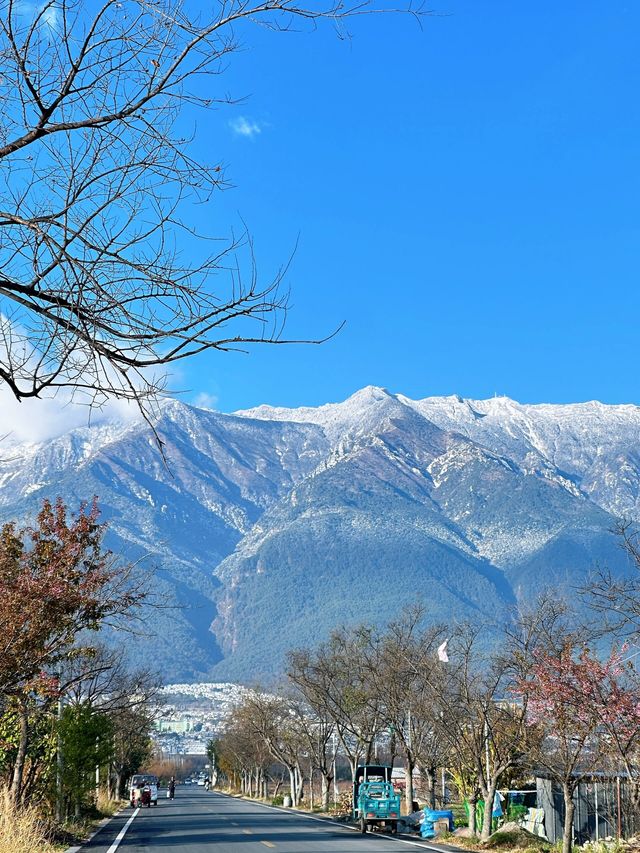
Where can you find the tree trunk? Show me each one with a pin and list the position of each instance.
(472, 814)
(429, 774)
(299, 784)
(327, 779)
(293, 788)
(278, 785)
(392, 748)
(569, 808)
(367, 758)
(353, 764)
(409, 765)
(488, 811)
(18, 767)
(118, 784)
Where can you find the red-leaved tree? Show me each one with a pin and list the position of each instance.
(574, 699)
(55, 582)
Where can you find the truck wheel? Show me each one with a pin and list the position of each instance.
(394, 827)
(363, 825)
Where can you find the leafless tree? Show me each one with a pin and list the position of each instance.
(615, 598)
(106, 277)
(243, 750)
(338, 681)
(274, 720)
(101, 677)
(485, 724)
(316, 732)
(408, 680)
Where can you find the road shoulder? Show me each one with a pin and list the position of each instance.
(400, 837)
(107, 827)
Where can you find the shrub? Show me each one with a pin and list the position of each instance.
(278, 800)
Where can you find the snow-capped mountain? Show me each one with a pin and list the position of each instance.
(265, 528)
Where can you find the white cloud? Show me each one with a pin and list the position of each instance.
(205, 400)
(48, 11)
(243, 126)
(50, 16)
(39, 420)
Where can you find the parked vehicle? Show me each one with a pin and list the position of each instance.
(375, 803)
(137, 785)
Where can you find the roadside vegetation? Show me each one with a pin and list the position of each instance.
(74, 719)
(465, 711)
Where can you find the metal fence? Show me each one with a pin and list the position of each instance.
(603, 809)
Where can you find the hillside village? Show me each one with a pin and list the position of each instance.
(190, 715)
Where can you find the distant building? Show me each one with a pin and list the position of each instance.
(179, 727)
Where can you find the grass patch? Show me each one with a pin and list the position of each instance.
(516, 839)
(108, 807)
(459, 840)
(22, 830)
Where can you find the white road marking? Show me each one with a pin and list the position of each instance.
(122, 833)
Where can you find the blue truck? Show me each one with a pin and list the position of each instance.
(375, 803)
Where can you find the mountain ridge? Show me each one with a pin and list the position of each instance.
(265, 527)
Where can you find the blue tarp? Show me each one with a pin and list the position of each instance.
(430, 816)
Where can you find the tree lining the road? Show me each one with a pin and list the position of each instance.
(541, 699)
(58, 587)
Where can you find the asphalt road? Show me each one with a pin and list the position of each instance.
(198, 821)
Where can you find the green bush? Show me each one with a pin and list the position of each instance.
(277, 801)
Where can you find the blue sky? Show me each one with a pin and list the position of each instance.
(466, 198)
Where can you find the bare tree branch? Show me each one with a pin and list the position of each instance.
(105, 277)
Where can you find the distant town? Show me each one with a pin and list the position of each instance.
(190, 715)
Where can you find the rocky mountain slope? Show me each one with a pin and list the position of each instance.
(267, 527)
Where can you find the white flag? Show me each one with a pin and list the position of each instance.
(442, 652)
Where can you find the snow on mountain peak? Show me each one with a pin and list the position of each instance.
(362, 409)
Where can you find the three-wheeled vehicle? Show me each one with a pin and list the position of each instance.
(137, 786)
(375, 803)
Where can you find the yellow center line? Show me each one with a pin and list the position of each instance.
(267, 844)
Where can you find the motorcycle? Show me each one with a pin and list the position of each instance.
(145, 797)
